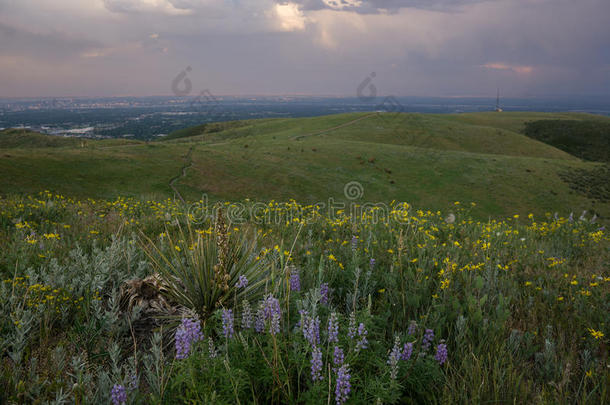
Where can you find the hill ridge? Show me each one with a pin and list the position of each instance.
(428, 160)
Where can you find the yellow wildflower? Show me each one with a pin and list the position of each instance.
(597, 334)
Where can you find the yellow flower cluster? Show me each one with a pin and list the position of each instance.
(42, 296)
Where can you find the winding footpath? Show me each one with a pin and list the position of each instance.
(187, 164)
(347, 124)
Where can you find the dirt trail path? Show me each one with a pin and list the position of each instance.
(188, 162)
(347, 124)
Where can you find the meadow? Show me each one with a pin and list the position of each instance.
(130, 300)
(429, 160)
(353, 258)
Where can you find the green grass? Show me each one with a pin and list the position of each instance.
(24, 138)
(588, 140)
(522, 304)
(428, 160)
(209, 128)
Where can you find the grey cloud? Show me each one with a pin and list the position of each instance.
(208, 9)
(377, 6)
(139, 6)
(119, 6)
(49, 45)
(234, 47)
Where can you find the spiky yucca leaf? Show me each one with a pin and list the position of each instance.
(201, 271)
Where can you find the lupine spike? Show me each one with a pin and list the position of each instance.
(343, 387)
(316, 364)
(427, 340)
(118, 395)
(333, 328)
(187, 334)
(295, 280)
(441, 354)
(227, 323)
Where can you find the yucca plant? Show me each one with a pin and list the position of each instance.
(204, 272)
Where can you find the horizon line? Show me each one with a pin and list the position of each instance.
(302, 95)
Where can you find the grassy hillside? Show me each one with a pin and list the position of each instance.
(24, 138)
(428, 160)
(588, 140)
(209, 128)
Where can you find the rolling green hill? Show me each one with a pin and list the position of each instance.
(208, 128)
(587, 140)
(425, 159)
(25, 138)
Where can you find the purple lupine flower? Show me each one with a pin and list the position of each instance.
(311, 330)
(242, 282)
(343, 387)
(351, 331)
(407, 350)
(259, 322)
(428, 338)
(211, 348)
(324, 293)
(187, 334)
(118, 395)
(372, 263)
(295, 280)
(333, 328)
(441, 353)
(354, 242)
(133, 382)
(412, 330)
(338, 356)
(394, 357)
(271, 306)
(227, 323)
(274, 326)
(316, 364)
(246, 316)
(363, 342)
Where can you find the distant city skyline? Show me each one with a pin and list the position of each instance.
(435, 48)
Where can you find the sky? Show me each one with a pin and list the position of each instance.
(527, 48)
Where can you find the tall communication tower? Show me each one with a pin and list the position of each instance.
(498, 108)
